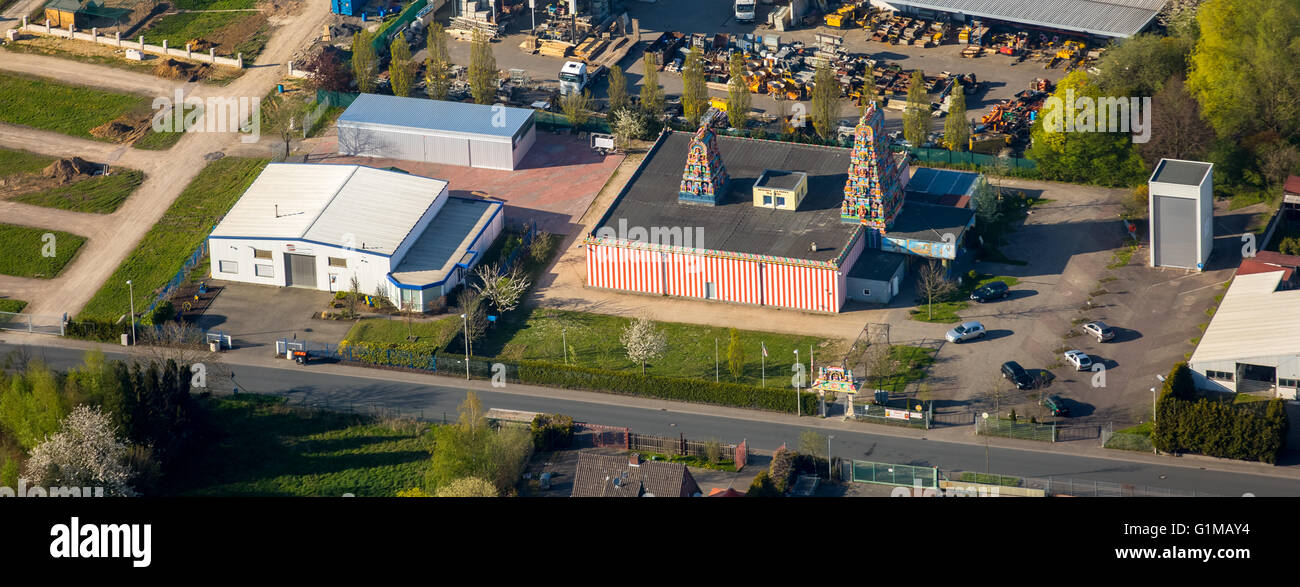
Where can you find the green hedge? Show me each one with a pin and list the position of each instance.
(552, 431)
(97, 330)
(669, 388)
(1251, 432)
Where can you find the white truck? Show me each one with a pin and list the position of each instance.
(745, 10)
(575, 76)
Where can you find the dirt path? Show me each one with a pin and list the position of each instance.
(87, 74)
(115, 235)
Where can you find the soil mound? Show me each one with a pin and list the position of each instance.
(66, 170)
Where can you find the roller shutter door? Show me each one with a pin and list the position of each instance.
(1176, 231)
(302, 270)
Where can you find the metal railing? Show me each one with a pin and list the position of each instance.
(890, 474)
(33, 323)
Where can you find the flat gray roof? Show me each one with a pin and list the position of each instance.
(941, 182)
(781, 180)
(876, 265)
(1107, 18)
(929, 222)
(436, 115)
(1180, 172)
(445, 242)
(735, 224)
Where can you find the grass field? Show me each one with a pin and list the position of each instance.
(21, 162)
(945, 311)
(184, 226)
(264, 448)
(9, 305)
(101, 194)
(67, 109)
(25, 250)
(158, 141)
(385, 330)
(246, 32)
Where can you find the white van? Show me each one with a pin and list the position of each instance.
(745, 10)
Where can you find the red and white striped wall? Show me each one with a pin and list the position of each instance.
(802, 287)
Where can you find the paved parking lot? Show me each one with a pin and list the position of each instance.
(256, 316)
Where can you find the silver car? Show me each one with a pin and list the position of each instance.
(1099, 330)
(1080, 360)
(966, 331)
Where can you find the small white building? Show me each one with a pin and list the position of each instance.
(318, 226)
(1181, 214)
(1253, 341)
(436, 131)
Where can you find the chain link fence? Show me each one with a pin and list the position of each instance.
(1021, 430)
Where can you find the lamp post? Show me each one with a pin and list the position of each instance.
(1153, 399)
(564, 340)
(987, 472)
(798, 401)
(465, 319)
(828, 457)
(131, 288)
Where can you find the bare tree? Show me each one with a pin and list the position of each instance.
(880, 363)
(932, 281)
(471, 304)
(503, 291)
(643, 341)
(354, 293)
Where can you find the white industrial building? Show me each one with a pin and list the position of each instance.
(436, 131)
(1253, 341)
(317, 226)
(1181, 214)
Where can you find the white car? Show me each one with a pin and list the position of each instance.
(1080, 360)
(966, 331)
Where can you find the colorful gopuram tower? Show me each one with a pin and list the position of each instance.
(704, 181)
(873, 194)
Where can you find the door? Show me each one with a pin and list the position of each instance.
(1176, 228)
(302, 270)
(710, 291)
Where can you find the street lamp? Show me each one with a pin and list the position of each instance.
(466, 320)
(132, 293)
(1153, 398)
(828, 457)
(564, 340)
(798, 401)
(987, 471)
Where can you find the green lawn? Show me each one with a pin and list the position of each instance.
(67, 109)
(180, 231)
(913, 364)
(1143, 429)
(945, 311)
(26, 248)
(263, 448)
(22, 162)
(382, 330)
(9, 305)
(101, 194)
(182, 28)
(158, 141)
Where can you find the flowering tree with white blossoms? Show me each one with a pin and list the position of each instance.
(643, 341)
(85, 452)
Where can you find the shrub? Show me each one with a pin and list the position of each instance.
(162, 313)
(782, 469)
(762, 486)
(552, 431)
(1254, 432)
(713, 451)
(97, 330)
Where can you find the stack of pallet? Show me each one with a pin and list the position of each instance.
(552, 48)
(590, 48)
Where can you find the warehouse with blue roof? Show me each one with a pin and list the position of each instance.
(436, 131)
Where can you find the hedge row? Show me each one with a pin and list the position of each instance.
(1252, 432)
(669, 388)
(97, 330)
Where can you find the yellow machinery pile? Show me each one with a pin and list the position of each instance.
(843, 17)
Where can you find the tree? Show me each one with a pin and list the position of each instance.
(577, 108)
(1289, 246)
(628, 124)
(31, 407)
(483, 75)
(713, 451)
(643, 341)
(881, 365)
(471, 448)
(1177, 130)
(84, 453)
(437, 67)
(735, 355)
(401, 71)
(916, 117)
(617, 91)
(1140, 66)
(956, 130)
(825, 102)
(932, 282)
(695, 95)
(1236, 63)
(1277, 160)
(327, 72)
(468, 487)
(471, 305)
(280, 117)
(739, 101)
(364, 60)
(503, 291)
(762, 486)
(354, 293)
(867, 95)
(652, 96)
(987, 206)
(540, 247)
(1105, 158)
(812, 443)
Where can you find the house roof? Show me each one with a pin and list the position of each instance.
(340, 205)
(1254, 319)
(735, 224)
(1107, 18)
(1180, 172)
(435, 254)
(876, 265)
(396, 112)
(929, 222)
(597, 473)
(728, 492)
(1266, 261)
(1292, 185)
(941, 182)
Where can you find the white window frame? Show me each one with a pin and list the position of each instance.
(264, 270)
(228, 267)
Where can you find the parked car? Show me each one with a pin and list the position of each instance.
(1055, 406)
(1080, 360)
(966, 331)
(994, 290)
(1099, 330)
(1017, 374)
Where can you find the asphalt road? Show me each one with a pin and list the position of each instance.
(444, 396)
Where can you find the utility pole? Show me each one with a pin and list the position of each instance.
(466, 320)
(798, 401)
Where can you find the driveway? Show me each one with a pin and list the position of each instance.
(256, 316)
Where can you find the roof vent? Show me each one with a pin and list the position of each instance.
(634, 460)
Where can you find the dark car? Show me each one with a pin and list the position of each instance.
(994, 290)
(1055, 406)
(1017, 374)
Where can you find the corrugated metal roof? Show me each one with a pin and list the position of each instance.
(941, 182)
(1110, 18)
(435, 115)
(1253, 320)
(338, 205)
(436, 252)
